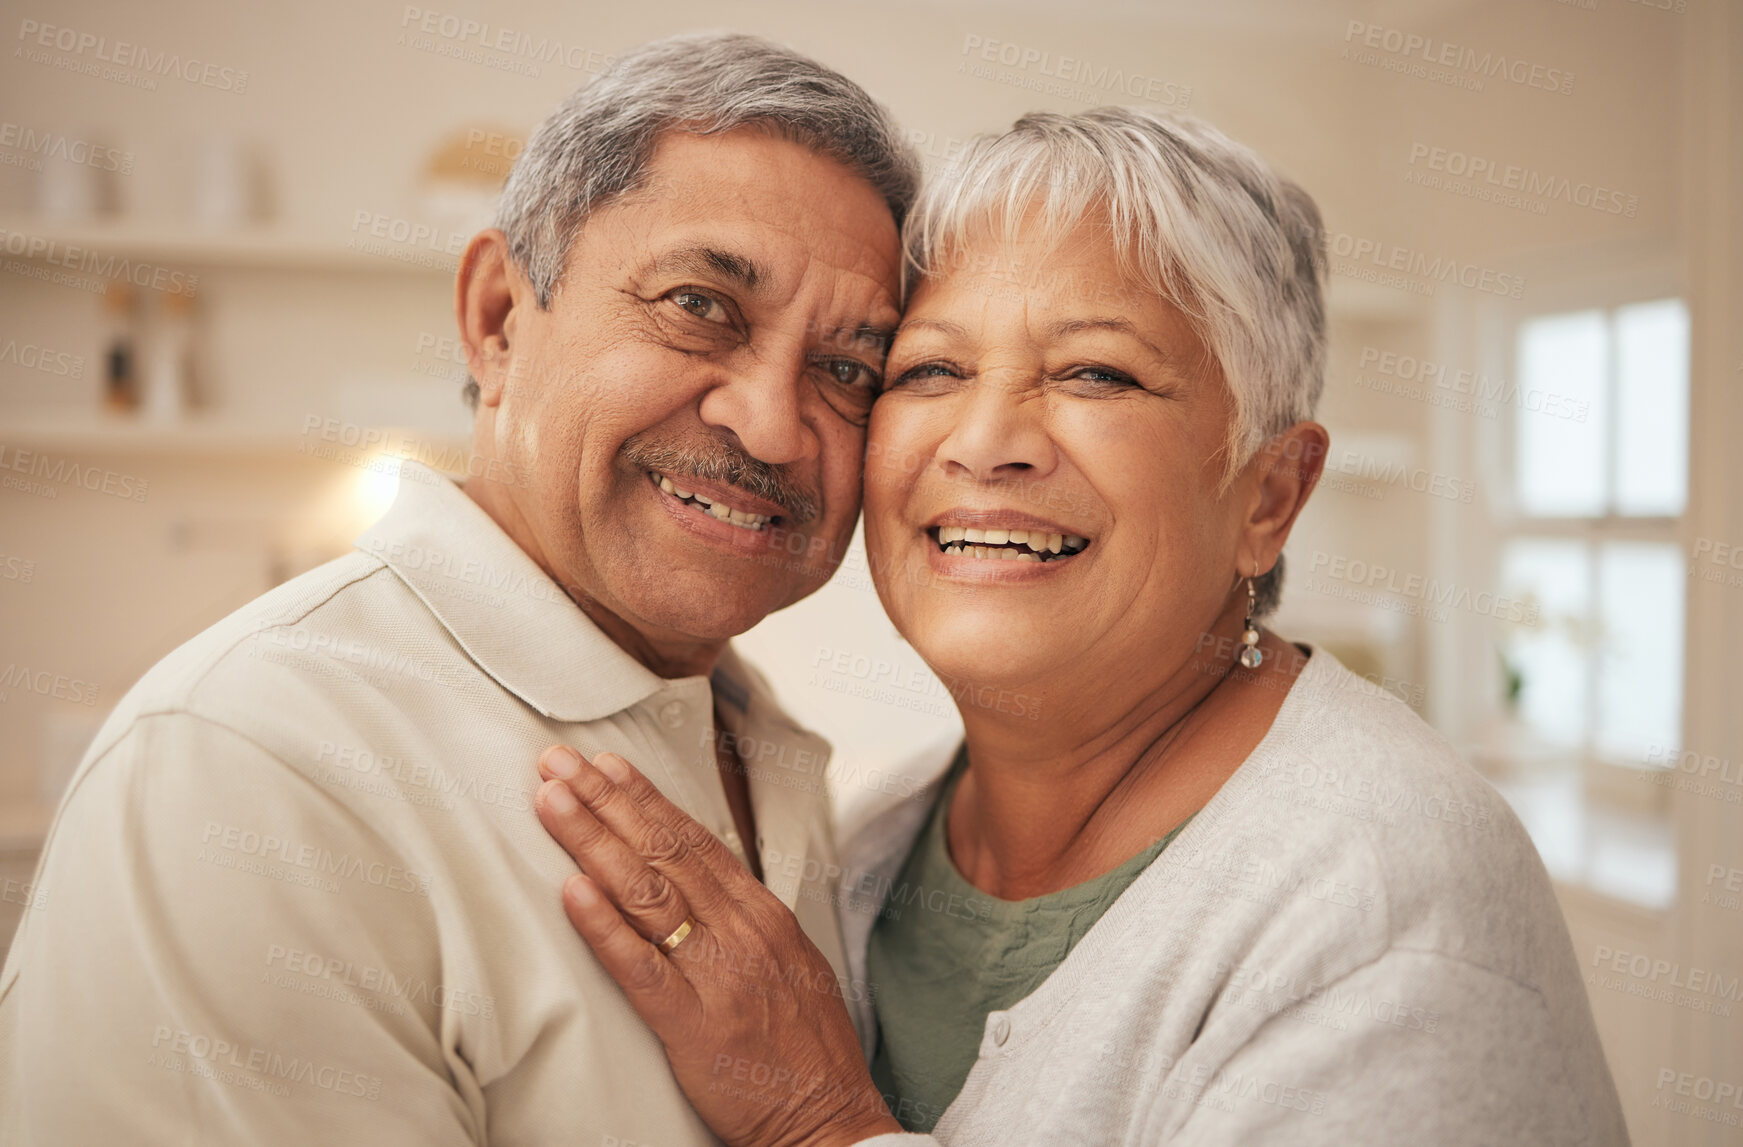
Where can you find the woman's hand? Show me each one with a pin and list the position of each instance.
(748, 1009)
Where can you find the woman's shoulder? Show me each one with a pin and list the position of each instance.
(1351, 771)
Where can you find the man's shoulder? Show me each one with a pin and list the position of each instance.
(250, 653)
(178, 675)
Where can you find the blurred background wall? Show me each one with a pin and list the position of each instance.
(227, 240)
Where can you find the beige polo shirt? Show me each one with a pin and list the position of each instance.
(296, 892)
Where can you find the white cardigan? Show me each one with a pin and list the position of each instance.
(1354, 942)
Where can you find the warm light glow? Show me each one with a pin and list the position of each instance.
(375, 487)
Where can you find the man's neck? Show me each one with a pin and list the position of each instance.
(668, 655)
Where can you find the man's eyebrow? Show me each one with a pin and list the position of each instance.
(878, 335)
(704, 260)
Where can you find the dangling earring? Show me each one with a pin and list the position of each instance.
(1250, 655)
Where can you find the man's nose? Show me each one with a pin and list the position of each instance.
(762, 402)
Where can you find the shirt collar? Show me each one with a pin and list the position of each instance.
(508, 615)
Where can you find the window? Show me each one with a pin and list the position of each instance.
(1600, 483)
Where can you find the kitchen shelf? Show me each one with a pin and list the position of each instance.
(266, 247)
(282, 248)
(193, 437)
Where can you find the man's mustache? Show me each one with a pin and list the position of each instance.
(718, 460)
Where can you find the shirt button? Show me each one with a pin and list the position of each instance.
(1000, 1029)
(672, 714)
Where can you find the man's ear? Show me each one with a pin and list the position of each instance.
(487, 292)
(1287, 468)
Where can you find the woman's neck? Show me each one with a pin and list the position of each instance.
(1052, 803)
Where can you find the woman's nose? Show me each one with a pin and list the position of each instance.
(1000, 432)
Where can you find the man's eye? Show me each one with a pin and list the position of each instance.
(702, 306)
(851, 374)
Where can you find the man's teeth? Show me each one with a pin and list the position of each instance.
(719, 510)
(1009, 545)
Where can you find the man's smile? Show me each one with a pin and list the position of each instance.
(715, 507)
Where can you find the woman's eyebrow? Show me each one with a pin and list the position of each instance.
(1121, 326)
(942, 326)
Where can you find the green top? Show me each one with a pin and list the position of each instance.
(944, 955)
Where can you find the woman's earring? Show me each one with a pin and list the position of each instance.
(1250, 655)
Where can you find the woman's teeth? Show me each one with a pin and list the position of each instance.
(1008, 545)
(720, 510)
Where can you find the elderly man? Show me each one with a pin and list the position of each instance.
(295, 893)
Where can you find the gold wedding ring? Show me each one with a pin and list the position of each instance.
(677, 937)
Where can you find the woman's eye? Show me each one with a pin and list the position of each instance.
(1103, 374)
(702, 306)
(925, 371)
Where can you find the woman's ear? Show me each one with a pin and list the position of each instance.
(487, 291)
(1286, 470)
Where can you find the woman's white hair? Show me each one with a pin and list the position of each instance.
(1195, 217)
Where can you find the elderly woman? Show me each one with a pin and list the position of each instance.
(1222, 891)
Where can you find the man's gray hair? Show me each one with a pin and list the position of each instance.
(1195, 217)
(596, 146)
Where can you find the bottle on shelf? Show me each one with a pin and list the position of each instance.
(120, 381)
(168, 365)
